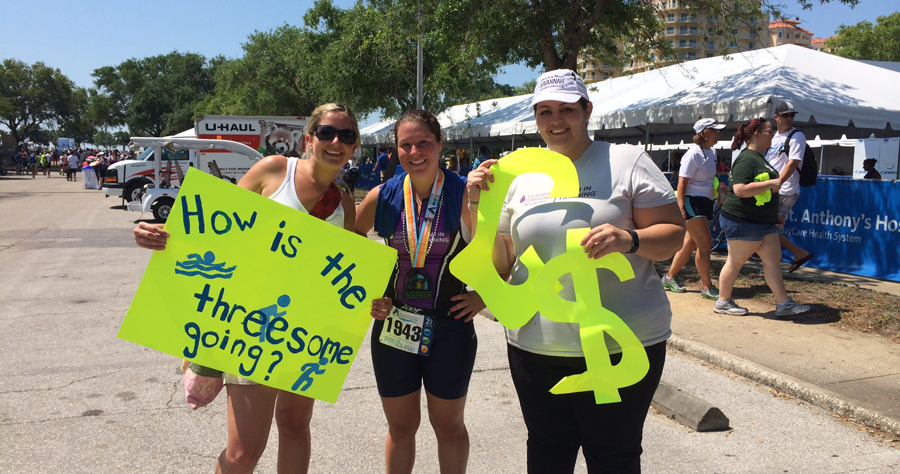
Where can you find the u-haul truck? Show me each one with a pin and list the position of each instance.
(267, 135)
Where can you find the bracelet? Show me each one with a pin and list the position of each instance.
(635, 242)
(473, 202)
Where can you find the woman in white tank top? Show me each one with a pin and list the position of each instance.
(331, 141)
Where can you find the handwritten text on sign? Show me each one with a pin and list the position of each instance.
(251, 287)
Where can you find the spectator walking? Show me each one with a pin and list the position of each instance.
(789, 176)
(695, 199)
(750, 220)
(71, 167)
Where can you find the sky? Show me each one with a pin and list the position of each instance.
(78, 37)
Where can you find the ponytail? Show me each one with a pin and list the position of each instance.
(745, 132)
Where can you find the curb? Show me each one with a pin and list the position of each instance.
(813, 394)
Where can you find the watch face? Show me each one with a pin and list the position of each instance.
(418, 285)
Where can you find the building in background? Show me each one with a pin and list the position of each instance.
(692, 36)
(789, 32)
(818, 44)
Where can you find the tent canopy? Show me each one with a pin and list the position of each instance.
(832, 95)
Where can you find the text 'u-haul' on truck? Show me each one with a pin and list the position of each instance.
(268, 135)
(160, 200)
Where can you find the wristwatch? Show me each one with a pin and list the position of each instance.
(635, 241)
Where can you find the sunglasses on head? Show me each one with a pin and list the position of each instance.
(326, 133)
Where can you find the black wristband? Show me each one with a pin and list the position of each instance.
(635, 242)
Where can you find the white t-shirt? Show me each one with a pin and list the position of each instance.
(778, 159)
(73, 161)
(699, 165)
(614, 179)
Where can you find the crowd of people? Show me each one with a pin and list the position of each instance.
(428, 214)
(92, 163)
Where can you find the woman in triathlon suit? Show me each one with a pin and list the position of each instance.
(307, 185)
(423, 331)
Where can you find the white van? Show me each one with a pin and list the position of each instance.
(268, 135)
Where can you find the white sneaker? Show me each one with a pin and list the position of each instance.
(729, 307)
(790, 308)
(672, 285)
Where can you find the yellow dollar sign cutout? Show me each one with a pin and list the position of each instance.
(515, 305)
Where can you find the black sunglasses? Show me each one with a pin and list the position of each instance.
(789, 114)
(326, 133)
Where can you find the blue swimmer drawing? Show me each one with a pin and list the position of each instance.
(205, 266)
(271, 313)
(306, 377)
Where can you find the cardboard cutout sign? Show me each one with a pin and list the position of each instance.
(251, 287)
(515, 305)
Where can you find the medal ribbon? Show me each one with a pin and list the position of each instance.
(417, 239)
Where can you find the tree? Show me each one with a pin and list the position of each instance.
(368, 58)
(279, 74)
(80, 125)
(32, 97)
(551, 34)
(153, 96)
(879, 42)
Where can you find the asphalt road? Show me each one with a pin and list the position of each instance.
(74, 398)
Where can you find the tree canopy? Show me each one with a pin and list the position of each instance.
(153, 96)
(878, 42)
(33, 96)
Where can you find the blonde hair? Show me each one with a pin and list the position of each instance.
(332, 107)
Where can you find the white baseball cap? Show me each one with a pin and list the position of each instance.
(703, 124)
(560, 84)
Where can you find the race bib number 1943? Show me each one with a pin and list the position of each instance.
(408, 332)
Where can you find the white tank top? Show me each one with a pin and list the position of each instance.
(287, 194)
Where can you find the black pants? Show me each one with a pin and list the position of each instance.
(558, 425)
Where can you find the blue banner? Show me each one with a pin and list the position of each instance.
(853, 226)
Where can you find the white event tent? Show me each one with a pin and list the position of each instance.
(833, 96)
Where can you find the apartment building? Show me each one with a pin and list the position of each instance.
(818, 44)
(789, 32)
(692, 36)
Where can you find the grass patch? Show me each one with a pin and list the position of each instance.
(848, 307)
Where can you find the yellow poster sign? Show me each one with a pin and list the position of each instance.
(251, 287)
(515, 305)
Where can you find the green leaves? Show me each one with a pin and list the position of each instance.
(153, 96)
(32, 96)
(879, 42)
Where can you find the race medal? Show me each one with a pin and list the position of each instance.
(408, 332)
(418, 285)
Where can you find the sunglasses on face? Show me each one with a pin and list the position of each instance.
(326, 133)
(791, 115)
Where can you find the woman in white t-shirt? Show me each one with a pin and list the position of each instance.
(695, 199)
(629, 207)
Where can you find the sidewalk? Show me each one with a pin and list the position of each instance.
(850, 373)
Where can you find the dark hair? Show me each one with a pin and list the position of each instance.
(581, 101)
(483, 149)
(419, 116)
(745, 132)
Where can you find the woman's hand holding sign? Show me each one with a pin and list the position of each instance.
(150, 236)
(477, 181)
